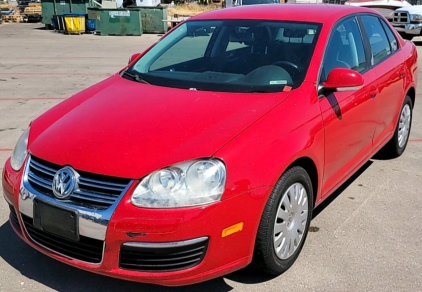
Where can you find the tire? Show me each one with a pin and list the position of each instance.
(406, 36)
(396, 146)
(272, 254)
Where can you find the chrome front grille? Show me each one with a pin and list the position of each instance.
(401, 17)
(92, 191)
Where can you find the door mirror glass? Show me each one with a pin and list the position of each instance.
(342, 79)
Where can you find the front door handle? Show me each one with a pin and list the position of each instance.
(373, 93)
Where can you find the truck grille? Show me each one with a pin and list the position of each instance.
(92, 191)
(162, 259)
(86, 249)
(400, 17)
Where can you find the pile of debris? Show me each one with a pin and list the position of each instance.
(22, 13)
(10, 14)
(32, 12)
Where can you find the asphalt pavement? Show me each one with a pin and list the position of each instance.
(366, 237)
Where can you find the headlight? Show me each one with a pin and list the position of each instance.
(20, 151)
(415, 17)
(190, 183)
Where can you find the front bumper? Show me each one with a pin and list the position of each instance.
(408, 28)
(132, 226)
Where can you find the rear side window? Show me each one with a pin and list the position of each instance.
(391, 38)
(378, 40)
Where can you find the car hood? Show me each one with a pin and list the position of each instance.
(412, 9)
(128, 129)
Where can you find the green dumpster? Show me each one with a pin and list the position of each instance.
(152, 19)
(63, 6)
(60, 7)
(94, 14)
(121, 22)
(48, 10)
(80, 6)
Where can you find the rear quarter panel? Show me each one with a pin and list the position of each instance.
(410, 55)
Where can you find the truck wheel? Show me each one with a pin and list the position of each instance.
(406, 36)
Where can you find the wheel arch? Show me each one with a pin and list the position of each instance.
(412, 94)
(310, 167)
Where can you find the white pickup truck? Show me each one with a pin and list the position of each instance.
(408, 21)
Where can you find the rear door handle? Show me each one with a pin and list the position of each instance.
(401, 74)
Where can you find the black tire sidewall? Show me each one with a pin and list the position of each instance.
(273, 264)
(406, 36)
(399, 151)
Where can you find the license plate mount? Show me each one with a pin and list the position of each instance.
(56, 220)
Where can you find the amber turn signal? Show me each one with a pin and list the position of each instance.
(232, 229)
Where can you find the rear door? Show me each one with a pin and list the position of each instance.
(347, 116)
(387, 62)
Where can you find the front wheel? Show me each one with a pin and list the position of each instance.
(396, 146)
(284, 223)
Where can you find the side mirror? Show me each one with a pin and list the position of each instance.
(342, 79)
(134, 57)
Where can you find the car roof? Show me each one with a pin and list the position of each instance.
(319, 13)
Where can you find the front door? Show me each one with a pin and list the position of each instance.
(347, 116)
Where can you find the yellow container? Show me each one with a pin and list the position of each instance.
(75, 23)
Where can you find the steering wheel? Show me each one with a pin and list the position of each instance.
(290, 64)
(290, 67)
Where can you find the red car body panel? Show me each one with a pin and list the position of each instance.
(109, 129)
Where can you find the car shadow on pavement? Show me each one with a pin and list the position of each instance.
(31, 264)
(340, 190)
(40, 27)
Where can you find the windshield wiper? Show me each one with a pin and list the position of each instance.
(135, 77)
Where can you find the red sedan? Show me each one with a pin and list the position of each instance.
(210, 150)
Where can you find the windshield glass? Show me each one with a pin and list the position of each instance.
(231, 56)
(253, 2)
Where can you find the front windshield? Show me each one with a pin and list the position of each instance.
(231, 56)
(253, 2)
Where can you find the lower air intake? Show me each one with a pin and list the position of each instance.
(163, 257)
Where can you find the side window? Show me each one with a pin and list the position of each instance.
(377, 39)
(345, 48)
(391, 37)
(238, 38)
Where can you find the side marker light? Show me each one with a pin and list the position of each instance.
(232, 229)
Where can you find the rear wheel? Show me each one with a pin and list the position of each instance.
(285, 222)
(396, 146)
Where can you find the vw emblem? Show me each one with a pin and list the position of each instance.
(64, 182)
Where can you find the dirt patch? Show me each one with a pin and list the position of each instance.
(190, 9)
